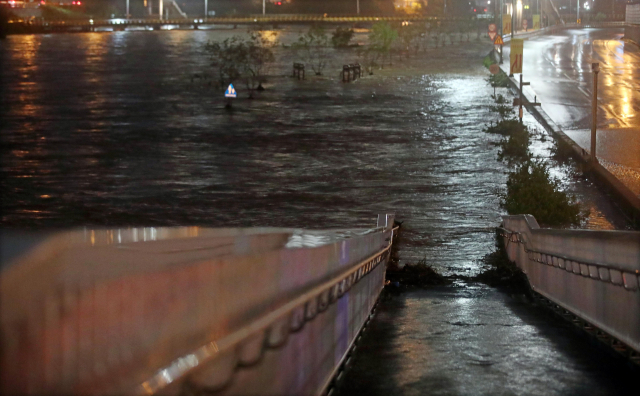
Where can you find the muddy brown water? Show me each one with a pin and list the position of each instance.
(107, 129)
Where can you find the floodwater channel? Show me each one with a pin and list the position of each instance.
(111, 129)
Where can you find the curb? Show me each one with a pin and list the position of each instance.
(555, 28)
(629, 202)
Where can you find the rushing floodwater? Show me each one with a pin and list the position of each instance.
(108, 129)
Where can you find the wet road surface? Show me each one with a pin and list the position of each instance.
(107, 129)
(558, 66)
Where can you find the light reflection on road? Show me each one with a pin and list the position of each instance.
(559, 69)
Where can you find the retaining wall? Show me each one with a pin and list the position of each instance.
(593, 274)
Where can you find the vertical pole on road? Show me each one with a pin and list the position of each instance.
(264, 7)
(160, 5)
(512, 25)
(520, 105)
(595, 67)
(127, 9)
(358, 7)
(206, 9)
(578, 11)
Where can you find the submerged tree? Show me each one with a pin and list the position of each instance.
(368, 57)
(227, 59)
(311, 47)
(259, 56)
(237, 59)
(341, 37)
(410, 36)
(382, 37)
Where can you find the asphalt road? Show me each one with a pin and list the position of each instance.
(559, 68)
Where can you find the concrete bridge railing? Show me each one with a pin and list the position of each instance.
(139, 311)
(593, 274)
(632, 19)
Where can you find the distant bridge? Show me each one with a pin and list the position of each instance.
(195, 23)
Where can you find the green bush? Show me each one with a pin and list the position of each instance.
(488, 61)
(515, 146)
(507, 128)
(341, 37)
(531, 190)
(382, 37)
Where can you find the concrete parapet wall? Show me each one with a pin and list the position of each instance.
(632, 32)
(593, 274)
(144, 310)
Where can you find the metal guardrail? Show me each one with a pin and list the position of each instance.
(593, 274)
(143, 310)
(115, 22)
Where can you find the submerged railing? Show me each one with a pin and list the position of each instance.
(593, 274)
(145, 310)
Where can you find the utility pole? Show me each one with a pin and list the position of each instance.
(264, 7)
(160, 5)
(206, 9)
(513, 26)
(595, 67)
(127, 9)
(578, 11)
(358, 6)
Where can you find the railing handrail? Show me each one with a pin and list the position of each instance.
(180, 367)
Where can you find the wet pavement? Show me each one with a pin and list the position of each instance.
(558, 66)
(108, 129)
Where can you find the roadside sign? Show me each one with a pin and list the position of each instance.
(517, 46)
(536, 21)
(494, 69)
(492, 27)
(498, 40)
(506, 24)
(492, 35)
(230, 92)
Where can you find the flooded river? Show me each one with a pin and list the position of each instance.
(109, 129)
